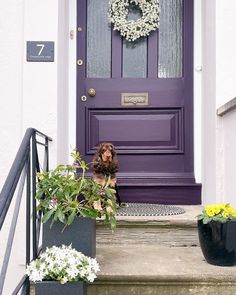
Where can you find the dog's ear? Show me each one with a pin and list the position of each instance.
(99, 150)
(113, 151)
(100, 146)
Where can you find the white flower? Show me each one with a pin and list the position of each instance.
(64, 264)
(130, 29)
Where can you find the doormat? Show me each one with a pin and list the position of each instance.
(141, 209)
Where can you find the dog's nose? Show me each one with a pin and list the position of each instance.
(107, 153)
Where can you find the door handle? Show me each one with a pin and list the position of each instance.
(91, 92)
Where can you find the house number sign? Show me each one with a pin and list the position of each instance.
(40, 51)
(134, 99)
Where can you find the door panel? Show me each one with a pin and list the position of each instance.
(153, 135)
(146, 132)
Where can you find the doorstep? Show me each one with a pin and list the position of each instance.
(172, 230)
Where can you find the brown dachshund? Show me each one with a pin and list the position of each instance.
(105, 166)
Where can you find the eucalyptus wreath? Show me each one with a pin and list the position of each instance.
(133, 29)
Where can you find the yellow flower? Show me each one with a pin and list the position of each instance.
(217, 209)
(218, 212)
(210, 212)
(233, 213)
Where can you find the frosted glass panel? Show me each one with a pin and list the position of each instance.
(98, 40)
(135, 53)
(170, 39)
(135, 59)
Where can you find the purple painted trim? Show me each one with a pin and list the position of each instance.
(181, 194)
(188, 82)
(153, 55)
(116, 55)
(81, 70)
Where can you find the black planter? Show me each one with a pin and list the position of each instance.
(81, 234)
(218, 242)
(56, 288)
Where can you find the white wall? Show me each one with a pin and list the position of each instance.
(225, 51)
(225, 91)
(11, 97)
(208, 101)
(11, 88)
(218, 87)
(229, 153)
(28, 90)
(40, 84)
(32, 94)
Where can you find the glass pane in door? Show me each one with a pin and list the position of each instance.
(98, 40)
(170, 49)
(134, 53)
(135, 59)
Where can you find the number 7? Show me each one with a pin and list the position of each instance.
(41, 49)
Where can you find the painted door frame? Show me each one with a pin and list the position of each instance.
(197, 84)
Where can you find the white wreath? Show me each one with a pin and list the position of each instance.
(134, 29)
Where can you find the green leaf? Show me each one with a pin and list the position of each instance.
(206, 220)
(61, 217)
(71, 217)
(47, 215)
(88, 212)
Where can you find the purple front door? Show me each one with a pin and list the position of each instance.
(139, 96)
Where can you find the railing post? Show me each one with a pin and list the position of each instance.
(28, 218)
(34, 213)
(47, 154)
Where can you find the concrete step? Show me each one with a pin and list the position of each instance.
(149, 270)
(172, 231)
(157, 255)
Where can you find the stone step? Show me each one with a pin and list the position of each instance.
(172, 231)
(148, 269)
(157, 255)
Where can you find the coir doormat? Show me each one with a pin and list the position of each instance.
(141, 209)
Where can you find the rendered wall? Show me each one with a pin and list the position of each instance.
(28, 96)
(229, 163)
(226, 91)
(218, 87)
(225, 51)
(208, 101)
(11, 81)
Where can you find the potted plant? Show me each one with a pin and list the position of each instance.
(217, 234)
(70, 204)
(62, 270)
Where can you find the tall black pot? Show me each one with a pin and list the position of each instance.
(81, 234)
(218, 242)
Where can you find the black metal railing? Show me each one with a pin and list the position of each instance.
(23, 177)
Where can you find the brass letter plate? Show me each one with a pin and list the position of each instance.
(134, 99)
